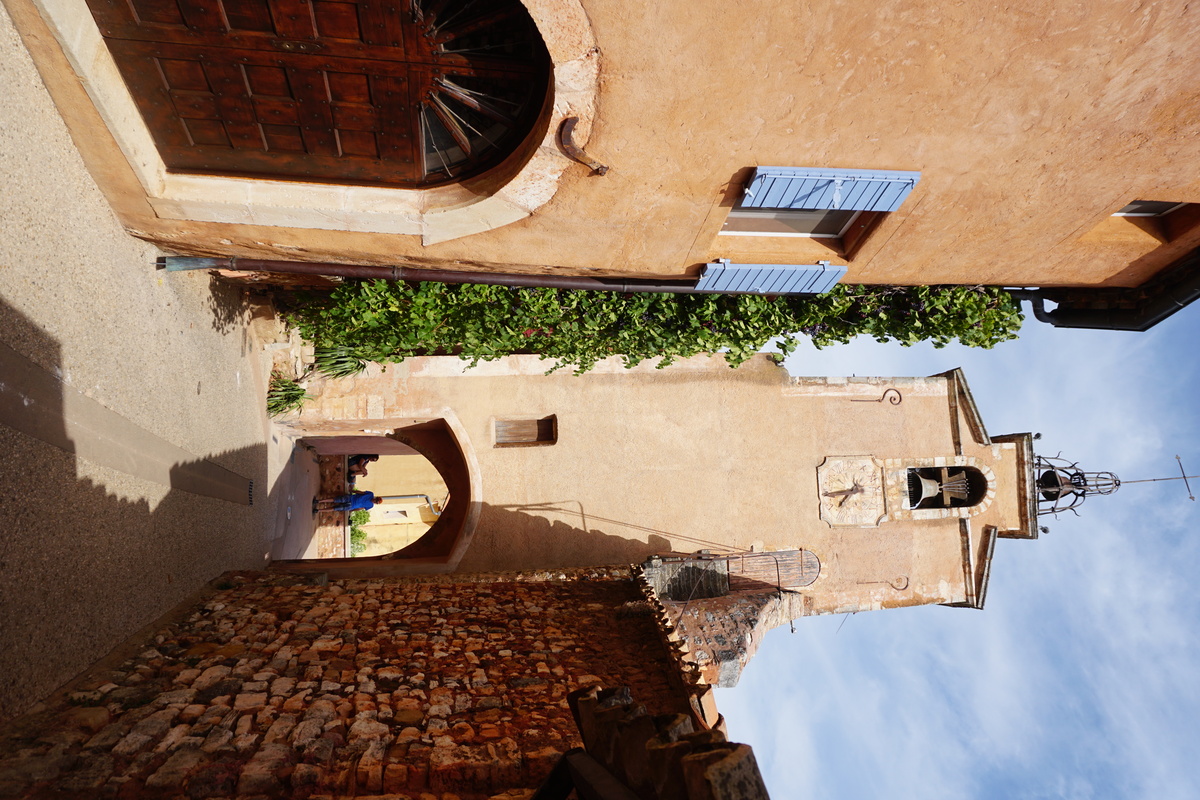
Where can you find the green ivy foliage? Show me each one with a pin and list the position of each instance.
(358, 536)
(380, 321)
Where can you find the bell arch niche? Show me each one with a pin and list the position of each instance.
(465, 176)
(938, 488)
(945, 487)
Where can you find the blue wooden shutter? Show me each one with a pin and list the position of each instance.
(721, 276)
(827, 189)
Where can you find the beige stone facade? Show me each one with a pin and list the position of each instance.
(1030, 128)
(698, 457)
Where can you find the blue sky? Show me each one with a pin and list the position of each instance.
(1079, 678)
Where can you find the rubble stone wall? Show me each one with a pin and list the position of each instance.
(431, 689)
(722, 634)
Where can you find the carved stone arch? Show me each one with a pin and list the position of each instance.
(132, 172)
(980, 480)
(444, 442)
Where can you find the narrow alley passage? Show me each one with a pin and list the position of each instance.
(129, 487)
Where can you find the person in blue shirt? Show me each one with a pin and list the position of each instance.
(347, 502)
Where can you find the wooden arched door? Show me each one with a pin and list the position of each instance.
(411, 93)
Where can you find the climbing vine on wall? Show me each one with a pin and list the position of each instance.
(365, 321)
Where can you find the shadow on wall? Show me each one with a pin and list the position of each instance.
(229, 304)
(505, 540)
(531, 537)
(84, 568)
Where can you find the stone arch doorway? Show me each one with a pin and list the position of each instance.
(442, 544)
(199, 210)
(405, 94)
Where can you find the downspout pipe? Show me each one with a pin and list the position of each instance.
(428, 500)
(1144, 316)
(1036, 301)
(373, 272)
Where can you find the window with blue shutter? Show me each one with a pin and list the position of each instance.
(828, 189)
(820, 203)
(722, 276)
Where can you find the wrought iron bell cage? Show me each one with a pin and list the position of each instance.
(1063, 486)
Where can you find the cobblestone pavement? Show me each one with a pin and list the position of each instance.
(91, 550)
(444, 688)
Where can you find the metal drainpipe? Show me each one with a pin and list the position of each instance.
(1141, 318)
(424, 497)
(371, 272)
(1036, 301)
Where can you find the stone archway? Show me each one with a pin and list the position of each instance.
(440, 549)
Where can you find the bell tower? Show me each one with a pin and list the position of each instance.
(752, 496)
(911, 496)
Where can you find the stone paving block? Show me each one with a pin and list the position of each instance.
(280, 729)
(342, 691)
(211, 677)
(246, 742)
(173, 738)
(368, 729)
(108, 736)
(87, 778)
(265, 772)
(252, 701)
(91, 719)
(131, 744)
(218, 779)
(172, 773)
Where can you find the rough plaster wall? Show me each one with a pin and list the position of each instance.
(1045, 119)
(352, 689)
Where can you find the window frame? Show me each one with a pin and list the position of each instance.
(772, 213)
(1172, 221)
(871, 193)
(1164, 212)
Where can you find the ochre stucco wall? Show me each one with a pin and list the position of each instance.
(1030, 125)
